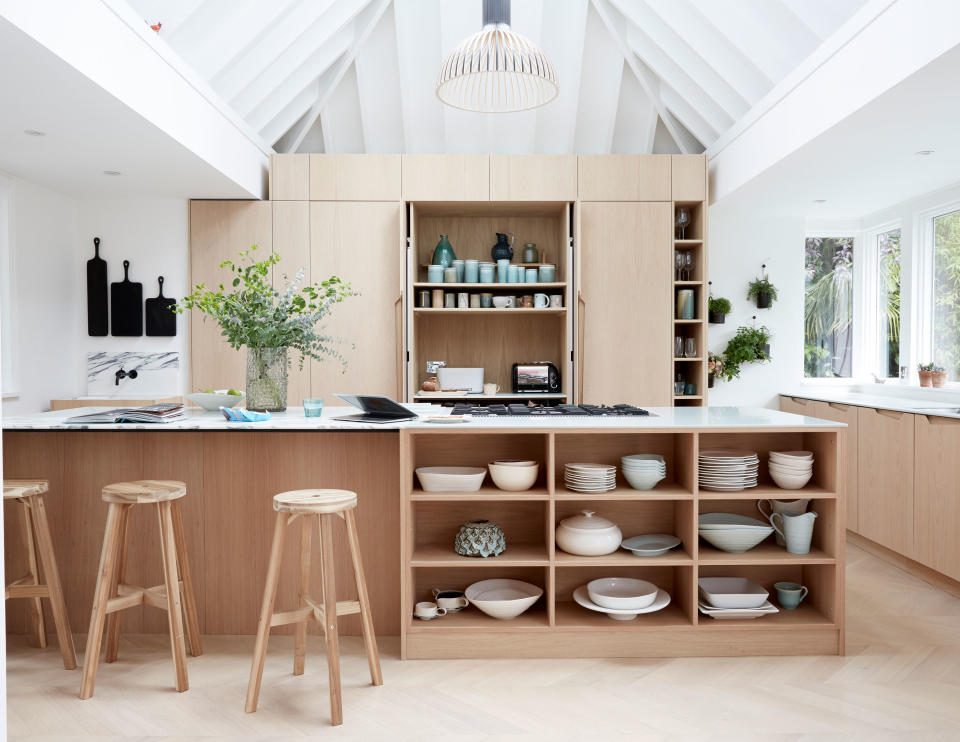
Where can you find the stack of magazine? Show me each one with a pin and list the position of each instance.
(158, 413)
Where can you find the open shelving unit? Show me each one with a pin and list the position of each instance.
(553, 627)
(693, 370)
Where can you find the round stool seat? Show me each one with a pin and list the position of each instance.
(17, 488)
(144, 491)
(313, 502)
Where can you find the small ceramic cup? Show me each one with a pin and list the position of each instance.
(513, 274)
(428, 610)
(450, 600)
(463, 300)
(541, 301)
(423, 298)
(503, 270)
(486, 273)
(450, 300)
(526, 301)
(435, 273)
(459, 265)
(790, 594)
(486, 301)
(450, 275)
(547, 273)
(556, 301)
(490, 388)
(471, 271)
(474, 301)
(438, 298)
(531, 275)
(503, 302)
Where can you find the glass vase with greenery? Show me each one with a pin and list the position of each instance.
(269, 322)
(749, 345)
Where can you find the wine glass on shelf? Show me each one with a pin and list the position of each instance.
(678, 259)
(690, 348)
(678, 347)
(688, 265)
(681, 221)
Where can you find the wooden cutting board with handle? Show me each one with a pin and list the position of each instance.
(161, 321)
(126, 306)
(96, 293)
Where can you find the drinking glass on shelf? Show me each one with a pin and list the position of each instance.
(678, 260)
(678, 347)
(678, 388)
(681, 220)
(688, 265)
(690, 348)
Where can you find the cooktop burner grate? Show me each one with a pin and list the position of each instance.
(560, 410)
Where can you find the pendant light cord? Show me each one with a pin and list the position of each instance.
(496, 11)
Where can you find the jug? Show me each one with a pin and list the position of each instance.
(502, 250)
(796, 529)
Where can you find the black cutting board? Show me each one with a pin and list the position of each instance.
(96, 292)
(126, 306)
(160, 317)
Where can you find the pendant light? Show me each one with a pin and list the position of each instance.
(497, 70)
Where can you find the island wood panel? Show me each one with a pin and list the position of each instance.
(445, 177)
(885, 452)
(624, 178)
(626, 335)
(533, 177)
(937, 493)
(844, 413)
(689, 177)
(362, 243)
(289, 177)
(219, 230)
(354, 177)
(798, 405)
(291, 241)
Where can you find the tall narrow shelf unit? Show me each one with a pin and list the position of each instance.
(558, 627)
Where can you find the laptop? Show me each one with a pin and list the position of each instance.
(375, 409)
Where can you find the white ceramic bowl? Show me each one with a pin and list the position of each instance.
(622, 593)
(213, 402)
(515, 462)
(720, 521)
(791, 455)
(513, 478)
(790, 481)
(503, 599)
(643, 481)
(731, 592)
(735, 540)
(451, 478)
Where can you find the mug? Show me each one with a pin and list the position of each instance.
(474, 301)
(450, 600)
(685, 304)
(513, 274)
(486, 301)
(796, 529)
(438, 298)
(690, 389)
(526, 301)
(424, 298)
(458, 264)
(782, 506)
(463, 300)
(790, 594)
(541, 301)
(428, 610)
(435, 274)
(503, 302)
(490, 388)
(471, 271)
(556, 301)
(449, 300)
(547, 273)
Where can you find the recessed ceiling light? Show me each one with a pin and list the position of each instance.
(34, 133)
(819, 200)
(112, 172)
(924, 152)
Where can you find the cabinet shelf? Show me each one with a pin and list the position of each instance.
(570, 615)
(663, 491)
(515, 311)
(761, 491)
(520, 555)
(489, 286)
(472, 619)
(622, 558)
(484, 494)
(687, 321)
(681, 360)
(765, 553)
(688, 396)
(804, 617)
(688, 283)
(690, 243)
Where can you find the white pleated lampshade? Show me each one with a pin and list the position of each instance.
(497, 71)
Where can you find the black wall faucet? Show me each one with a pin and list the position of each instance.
(121, 374)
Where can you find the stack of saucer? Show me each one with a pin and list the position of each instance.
(728, 470)
(791, 470)
(590, 477)
(643, 470)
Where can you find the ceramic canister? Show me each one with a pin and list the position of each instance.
(685, 304)
(479, 538)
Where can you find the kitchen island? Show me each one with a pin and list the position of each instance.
(232, 470)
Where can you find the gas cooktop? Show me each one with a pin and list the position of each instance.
(564, 410)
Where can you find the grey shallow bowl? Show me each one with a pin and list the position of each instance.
(213, 402)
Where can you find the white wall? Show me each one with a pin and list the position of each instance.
(741, 240)
(51, 239)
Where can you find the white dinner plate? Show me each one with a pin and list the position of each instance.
(650, 544)
(737, 613)
(660, 602)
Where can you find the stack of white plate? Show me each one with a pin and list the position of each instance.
(733, 597)
(728, 470)
(590, 477)
(791, 470)
(643, 470)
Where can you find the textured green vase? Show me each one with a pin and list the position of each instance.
(443, 254)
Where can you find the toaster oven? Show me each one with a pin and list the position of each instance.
(535, 377)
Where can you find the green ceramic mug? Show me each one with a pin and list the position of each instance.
(790, 594)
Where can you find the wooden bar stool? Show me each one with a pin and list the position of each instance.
(113, 595)
(36, 537)
(305, 504)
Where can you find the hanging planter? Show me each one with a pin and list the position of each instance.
(749, 345)
(718, 309)
(762, 291)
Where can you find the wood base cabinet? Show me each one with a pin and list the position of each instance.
(937, 493)
(844, 413)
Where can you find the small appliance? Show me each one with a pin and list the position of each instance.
(535, 377)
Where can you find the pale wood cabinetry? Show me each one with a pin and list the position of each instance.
(354, 177)
(624, 178)
(885, 450)
(844, 413)
(289, 177)
(446, 177)
(798, 405)
(937, 493)
(533, 178)
(624, 335)
(291, 241)
(689, 177)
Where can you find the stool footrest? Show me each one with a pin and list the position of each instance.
(130, 596)
(313, 611)
(20, 589)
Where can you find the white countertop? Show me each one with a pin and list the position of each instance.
(926, 401)
(293, 419)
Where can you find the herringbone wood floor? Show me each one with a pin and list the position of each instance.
(900, 681)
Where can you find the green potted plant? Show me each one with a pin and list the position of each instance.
(718, 309)
(269, 322)
(762, 291)
(714, 368)
(749, 345)
(939, 377)
(925, 370)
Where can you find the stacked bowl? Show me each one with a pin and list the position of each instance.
(790, 470)
(514, 475)
(643, 470)
(731, 532)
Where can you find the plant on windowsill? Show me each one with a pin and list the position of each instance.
(268, 322)
(762, 291)
(749, 345)
(718, 310)
(714, 368)
(932, 375)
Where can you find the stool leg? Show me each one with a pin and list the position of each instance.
(266, 613)
(113, 619)
(58, 606)
(300, 640)
(330, 615)
(35, 606)
(189, 598)
(174, 608)
(101, 596)
(366, 620)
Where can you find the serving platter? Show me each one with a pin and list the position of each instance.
(581, 597)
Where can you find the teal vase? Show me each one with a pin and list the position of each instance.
(443, 254)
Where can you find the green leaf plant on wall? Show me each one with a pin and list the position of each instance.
(762, 291)
(748, 345)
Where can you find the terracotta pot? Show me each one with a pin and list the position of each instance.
(939, 378)
(926, 378)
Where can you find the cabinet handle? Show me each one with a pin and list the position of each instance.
(800, 401)
(937, 420)
(838, 406)
(893, 414)
(581, 330)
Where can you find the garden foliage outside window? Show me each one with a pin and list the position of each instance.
(828, 307)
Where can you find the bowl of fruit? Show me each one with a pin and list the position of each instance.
(212, 400)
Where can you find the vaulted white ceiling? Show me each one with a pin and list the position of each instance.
(635, 76)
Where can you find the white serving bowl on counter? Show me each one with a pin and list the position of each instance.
(622, 593)
(212, 402)
(514, 476)
(503, 599)
(731, 592)
(451, 478)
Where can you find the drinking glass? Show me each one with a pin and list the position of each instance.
(688, 264)
(678, 260)
(690, 348)
(681, 220)
(312, 407)
(678, 347)
(678, 388)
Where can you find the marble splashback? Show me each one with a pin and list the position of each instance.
(157, 373)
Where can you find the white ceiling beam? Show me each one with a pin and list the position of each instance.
(823, 17)
(340, 117)
(189, 34)
(378, 88)
(599, 88)
(680, 108)
(366, 22)
(644, 76)
(637, 118)
(170, 13)
(292, 112)
(242, 71)
(562, 33)
(420, 57)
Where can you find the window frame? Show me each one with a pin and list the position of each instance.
(923, 277)
(872, 359)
